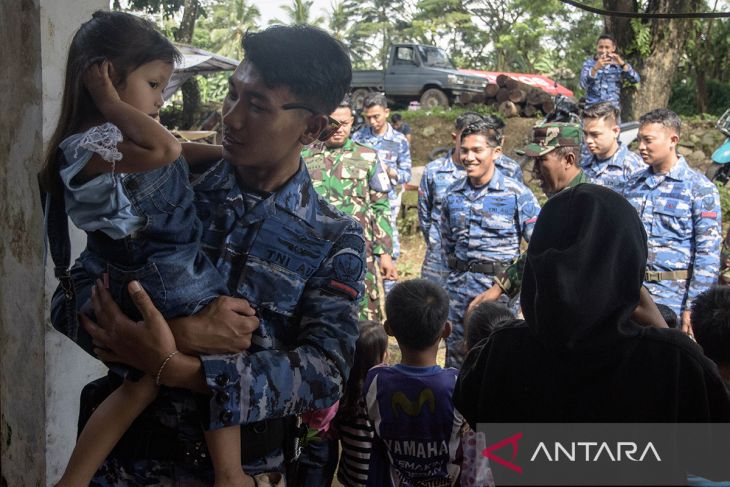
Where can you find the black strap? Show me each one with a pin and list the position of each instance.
(59, 243)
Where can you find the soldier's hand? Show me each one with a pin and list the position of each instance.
(143, 345)
(687, 323)
(491, 294)
(387, 268)
(224, 326)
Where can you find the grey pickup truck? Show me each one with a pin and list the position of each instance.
(416, 72)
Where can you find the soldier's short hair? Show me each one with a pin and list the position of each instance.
(483, 320)
(481, 127)
(607, 36)
(312, 64)
(466, 118)
(603, 110)
(664, 117)
(711, 323)
(346, 103)
(497, 124)
(417, 312)
(375, 99)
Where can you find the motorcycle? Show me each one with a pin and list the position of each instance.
(719, 170)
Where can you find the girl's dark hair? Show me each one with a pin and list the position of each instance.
(483, 320)
(369, 351)
(128, 42)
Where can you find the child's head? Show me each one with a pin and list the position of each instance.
(711, 324)
(129, 43)
(670, 317)
(370, 349)
(417, 311)
(483, 320)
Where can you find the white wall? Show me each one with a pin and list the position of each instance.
(67, 367)
(41, 372)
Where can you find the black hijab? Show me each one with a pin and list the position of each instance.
(578, 356)
(585, 266)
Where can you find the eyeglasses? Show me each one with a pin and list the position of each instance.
(328, 131)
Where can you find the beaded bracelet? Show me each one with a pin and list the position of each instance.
(162, 367)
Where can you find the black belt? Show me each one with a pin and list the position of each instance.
(148, 439)
(480, 266)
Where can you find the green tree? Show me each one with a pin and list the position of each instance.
(343, 22)
(299, 12)
(655, 47)
(226, 24)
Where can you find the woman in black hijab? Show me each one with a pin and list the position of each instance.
(578, 357)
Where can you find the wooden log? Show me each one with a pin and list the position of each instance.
(512, 84)
(502, 80)
(528, 110)
(537, 97)
(502, 95)
(517, 95)
(491, 90)
(548, 106)
(508, 109)
(465, 99)
(477, 98)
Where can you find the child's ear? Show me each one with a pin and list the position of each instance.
(447, 330)
(388, 329)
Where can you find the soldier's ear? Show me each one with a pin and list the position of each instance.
(315, 125)
(570, 159)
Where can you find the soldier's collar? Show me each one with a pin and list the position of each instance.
(297, 196)
(680, 171)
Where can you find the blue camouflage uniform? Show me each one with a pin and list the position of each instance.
(481, 225)
(438, 175)
(615, 171)
(681, 213)
(509, 167)
(300, 263)
(606, 85)
(394, 150)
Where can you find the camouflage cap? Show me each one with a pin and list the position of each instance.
(549, 136)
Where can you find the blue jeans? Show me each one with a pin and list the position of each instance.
(317, 464)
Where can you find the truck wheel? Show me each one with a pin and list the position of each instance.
(433, 97)
(357, 97)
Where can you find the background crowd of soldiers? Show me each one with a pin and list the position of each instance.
(474, 208)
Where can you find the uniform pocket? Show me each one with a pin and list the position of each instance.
(671, 222)
(280, 262)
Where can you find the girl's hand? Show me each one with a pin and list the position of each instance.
(98, 80)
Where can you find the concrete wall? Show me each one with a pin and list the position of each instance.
(41, 372)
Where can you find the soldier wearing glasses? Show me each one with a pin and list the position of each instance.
(283, 342)
(352, 178)
(484, 216)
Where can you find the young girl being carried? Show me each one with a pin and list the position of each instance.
(124, 181)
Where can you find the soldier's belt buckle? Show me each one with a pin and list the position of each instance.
(652, 276)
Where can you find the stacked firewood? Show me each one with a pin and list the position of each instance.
(513, 98)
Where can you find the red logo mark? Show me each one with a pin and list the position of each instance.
(512, 440)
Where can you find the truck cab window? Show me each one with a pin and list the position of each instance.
(404, 55)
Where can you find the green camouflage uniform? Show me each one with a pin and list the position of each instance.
(353, 180)
(510, 280)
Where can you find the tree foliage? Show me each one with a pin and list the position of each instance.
(546, 36)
